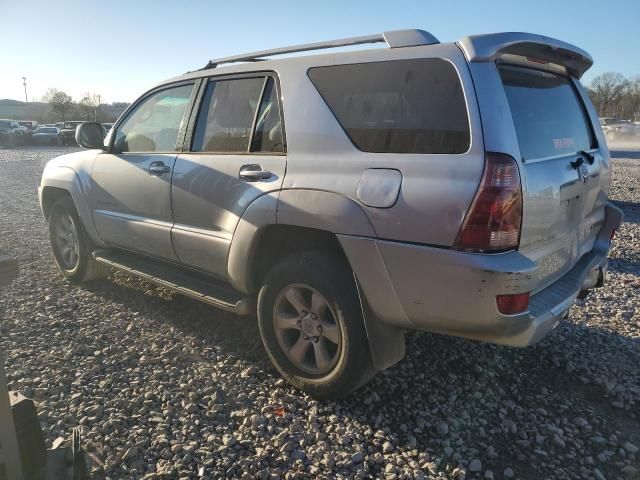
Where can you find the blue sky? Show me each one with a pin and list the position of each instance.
(120, 48)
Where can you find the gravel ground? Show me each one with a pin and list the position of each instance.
(164, 387)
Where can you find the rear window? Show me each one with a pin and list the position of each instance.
(548, 116)
(400, 106)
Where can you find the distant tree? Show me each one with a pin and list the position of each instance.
(607, 90)
(59, 102)
(633, 96)
(90, 103)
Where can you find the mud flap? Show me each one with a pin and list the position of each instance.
(386, 343)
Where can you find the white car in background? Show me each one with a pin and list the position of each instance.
(616, 129)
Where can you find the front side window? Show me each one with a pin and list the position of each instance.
(154, 124)
(226, 117)
(399, 106)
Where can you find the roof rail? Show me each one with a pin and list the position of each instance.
(394, 38)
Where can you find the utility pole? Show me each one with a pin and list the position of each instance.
(24, 82)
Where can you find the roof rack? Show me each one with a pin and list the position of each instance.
(394, 38)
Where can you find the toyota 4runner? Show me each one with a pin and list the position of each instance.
(458, 188)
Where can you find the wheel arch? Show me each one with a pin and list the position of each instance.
(318, 212)
(59, 181)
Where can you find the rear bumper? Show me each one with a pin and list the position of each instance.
(454, 293)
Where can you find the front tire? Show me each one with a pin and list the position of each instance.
(311, 325)
(69, 243)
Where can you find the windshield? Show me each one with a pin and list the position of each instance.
(548, 116)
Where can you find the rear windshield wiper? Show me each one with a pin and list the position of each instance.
(587, 155)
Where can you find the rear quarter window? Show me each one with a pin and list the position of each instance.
(399, 106)
(548, 115)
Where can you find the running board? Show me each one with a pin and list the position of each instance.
(186, 282)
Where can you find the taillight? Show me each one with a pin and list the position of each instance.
(511, 304)
(494, 218)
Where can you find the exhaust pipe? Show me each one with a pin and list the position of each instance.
(594, 279)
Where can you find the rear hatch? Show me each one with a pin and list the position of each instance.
(565, 175)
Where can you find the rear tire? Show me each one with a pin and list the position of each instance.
(70, 244)
(316, 340)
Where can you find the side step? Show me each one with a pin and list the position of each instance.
(192, 284)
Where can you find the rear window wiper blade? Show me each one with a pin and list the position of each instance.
(587, 155)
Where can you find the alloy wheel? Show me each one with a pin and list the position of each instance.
(307, 329)
(66, 241)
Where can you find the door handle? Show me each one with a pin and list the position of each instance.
(254, 173)
(158, 168)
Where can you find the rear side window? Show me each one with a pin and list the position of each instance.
(227, 113)
(548, 115)
(400, 106)
(268, 132)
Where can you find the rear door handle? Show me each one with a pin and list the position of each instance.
(158, 168)
(254, 173)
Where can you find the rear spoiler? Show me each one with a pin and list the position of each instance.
(489, 47)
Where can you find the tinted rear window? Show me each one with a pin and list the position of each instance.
(548, 116)
(400, 106)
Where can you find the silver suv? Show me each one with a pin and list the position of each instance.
(458, 188)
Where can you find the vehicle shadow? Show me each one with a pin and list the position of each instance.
(450, 400)
(631, 210)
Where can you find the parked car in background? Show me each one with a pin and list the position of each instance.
(47, 136)
(12, 133)
(31, 125)
(69, 132)
(618, 129)
(458, 188)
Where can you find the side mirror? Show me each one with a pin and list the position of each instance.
(90, 135)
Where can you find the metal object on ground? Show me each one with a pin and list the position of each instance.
(33, 451)
(10, 465)
(79, 461)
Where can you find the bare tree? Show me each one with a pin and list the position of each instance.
(633, 96)
(607, 90)
(59, 101)
(91, 105)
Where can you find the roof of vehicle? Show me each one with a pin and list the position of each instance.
(476, 48)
